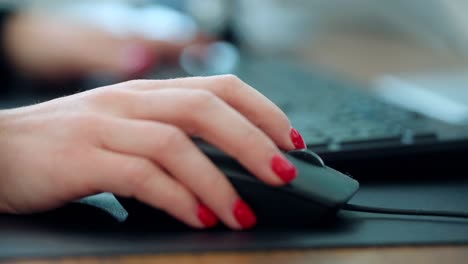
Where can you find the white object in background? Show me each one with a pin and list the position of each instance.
(281, 26)
(457, 11)
(443, 96)
(213, 59)
(275, 26)
(150, 21)
(213, 16)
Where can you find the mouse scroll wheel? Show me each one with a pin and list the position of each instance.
(308, 156)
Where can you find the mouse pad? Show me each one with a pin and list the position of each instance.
(100, 226)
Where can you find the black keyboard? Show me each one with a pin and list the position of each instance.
(350, 117)
(350, 128)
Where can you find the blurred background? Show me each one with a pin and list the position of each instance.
(383, 45)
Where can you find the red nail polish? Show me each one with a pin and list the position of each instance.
(297, 139)
(283, 168)
(206, 216)
(244, 214)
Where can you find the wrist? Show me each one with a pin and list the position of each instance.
(7, 132)
(5, 158)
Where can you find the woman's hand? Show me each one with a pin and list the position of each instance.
(133, 139)
(47, 47)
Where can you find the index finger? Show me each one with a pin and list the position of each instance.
(249, 102)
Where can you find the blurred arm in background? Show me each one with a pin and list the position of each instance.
(48, 48)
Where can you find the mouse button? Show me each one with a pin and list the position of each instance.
(323, 184)
(308, 156)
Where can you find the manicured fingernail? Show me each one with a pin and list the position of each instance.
(137, 59)
(206, 216)
(297, 139)
(283, 168)
(244, 214)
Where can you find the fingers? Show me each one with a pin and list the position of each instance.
(233, 119)
(128, 57)
(84, 49)
(171, 149)
(101, 52)
(128, 175)
(169, 51)
(166, 51)
(201, 113)
(245, 99)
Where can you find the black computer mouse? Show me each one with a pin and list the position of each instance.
(314, 196)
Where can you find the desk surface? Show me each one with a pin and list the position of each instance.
(426, 255)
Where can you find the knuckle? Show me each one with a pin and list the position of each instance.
(254, 137)
(231, 80)
(117, 101)
(216, 182)
(109, 96)
(132, 84)
(200, 99)
(251, 137)
(170, 195)
(280, 118)
(199, 104)
(230, 87)
(136, 174)
(170, 138)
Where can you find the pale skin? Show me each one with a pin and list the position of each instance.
(131, 139)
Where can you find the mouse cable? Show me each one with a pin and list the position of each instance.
(381, 210)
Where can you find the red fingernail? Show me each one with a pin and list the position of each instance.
(297, 139)
(206, 216)
(283, 168)
(244, 214)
